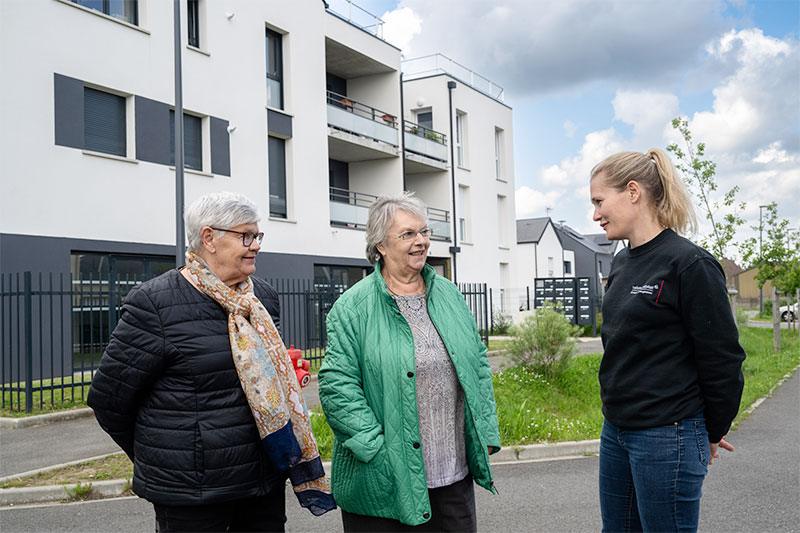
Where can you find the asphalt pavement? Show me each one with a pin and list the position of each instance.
(755, 489)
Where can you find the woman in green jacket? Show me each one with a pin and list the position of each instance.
(406, 387)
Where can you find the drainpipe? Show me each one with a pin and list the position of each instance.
(451, 85)
(402, 133)
(179, 229)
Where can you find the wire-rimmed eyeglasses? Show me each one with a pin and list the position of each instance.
(424, 232)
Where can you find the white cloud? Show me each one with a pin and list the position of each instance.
(773, 154)
(533, 203)
(570, 128)
(649, 112)
(534, 47)
(400, 26)
(575, 170)
(758, 104)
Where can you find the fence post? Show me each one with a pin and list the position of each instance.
(528, 292)
(776, 322)
(487, 311)
(28, 343)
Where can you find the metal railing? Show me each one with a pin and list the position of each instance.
(53, 330)
(426, 133)
(356, 15)
(359, 109)
(420, 67)
(439, 221)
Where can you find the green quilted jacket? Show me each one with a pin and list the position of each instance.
(368, 392)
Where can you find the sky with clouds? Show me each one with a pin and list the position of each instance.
(587, 78)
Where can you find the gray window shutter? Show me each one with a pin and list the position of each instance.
(220, 147)
(68, 111)
(104, 122)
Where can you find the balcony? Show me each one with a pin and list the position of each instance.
(349, 209)
(358, 132)
(426, 149)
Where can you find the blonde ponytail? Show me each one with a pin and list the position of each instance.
(656, 174)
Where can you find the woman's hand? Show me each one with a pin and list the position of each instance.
(725, 445)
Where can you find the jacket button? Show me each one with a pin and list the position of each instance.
(410, 374)
(415, 445)
(426, 515)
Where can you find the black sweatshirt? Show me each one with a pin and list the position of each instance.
(671, 347)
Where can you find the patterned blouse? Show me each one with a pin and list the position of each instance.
(440, 400)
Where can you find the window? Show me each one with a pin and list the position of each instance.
(338, 277)
(461, 138)
(274, 44)
(425, 119)
(192, 141)
(465, 213)
(498, 153)
(125, 10)
(277, 177)
(502, 239)
(193, 19)
(550, 270)
(104, 122)
(567, 267)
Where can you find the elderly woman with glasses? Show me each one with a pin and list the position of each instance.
(198, 390)
(406, 387)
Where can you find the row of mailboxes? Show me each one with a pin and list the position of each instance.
(572, 295)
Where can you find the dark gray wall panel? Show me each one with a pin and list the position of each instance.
(220, 147)
(279, 125)
(297, 266)
(68, 112)
(152, 131)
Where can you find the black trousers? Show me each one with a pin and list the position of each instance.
(452, 509)
(262, 513)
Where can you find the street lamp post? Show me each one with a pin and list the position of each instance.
(180, 234)
(760, 255)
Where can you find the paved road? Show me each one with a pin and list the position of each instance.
(27, 449)
(756, 489)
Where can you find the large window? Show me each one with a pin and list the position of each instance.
(461, 139)
(498, 153)
(425, 119)
(274, 44)
(464, 210)
(104, 122)
(338, 277)
(277, 177)
(126, 10)
(567, 267)
(192, 141)
(193, 20)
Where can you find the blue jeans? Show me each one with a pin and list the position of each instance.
(652, 479)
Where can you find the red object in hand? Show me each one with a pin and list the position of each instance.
(300, 366)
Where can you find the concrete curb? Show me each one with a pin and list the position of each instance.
(116, 487)
(54, 493)
(48, 418)
(45, 469)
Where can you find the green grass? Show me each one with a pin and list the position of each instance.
(116, 466)
(71, 396)
(503, 344)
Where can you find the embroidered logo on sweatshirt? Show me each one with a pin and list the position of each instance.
(644, 289)
(649, 289)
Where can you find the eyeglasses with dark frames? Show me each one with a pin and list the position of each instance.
(424, 232)
(247, 236)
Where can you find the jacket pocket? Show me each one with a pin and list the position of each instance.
(363, 488)
(702, 441)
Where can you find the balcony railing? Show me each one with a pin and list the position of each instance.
(350, 209)
(420, 67)
(357, 16)
(424, 141)
(439, 222)
(355, 117)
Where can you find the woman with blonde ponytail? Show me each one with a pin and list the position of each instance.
(671, 378)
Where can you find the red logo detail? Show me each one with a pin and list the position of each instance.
(660, 287)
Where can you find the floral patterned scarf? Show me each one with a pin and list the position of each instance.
(270, 385)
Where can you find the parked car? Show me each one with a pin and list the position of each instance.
(788, 312)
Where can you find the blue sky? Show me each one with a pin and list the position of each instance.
(588, 78)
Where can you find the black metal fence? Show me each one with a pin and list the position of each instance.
(54, 329)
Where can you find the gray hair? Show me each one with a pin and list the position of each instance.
(381, 215)
(220, 209)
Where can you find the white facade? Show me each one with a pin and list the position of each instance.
(83, 199)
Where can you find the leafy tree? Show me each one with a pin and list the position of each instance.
(699, 174)
(778, 256)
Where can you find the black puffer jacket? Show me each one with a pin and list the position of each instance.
(167, 392)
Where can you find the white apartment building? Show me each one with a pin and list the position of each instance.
(292, 104)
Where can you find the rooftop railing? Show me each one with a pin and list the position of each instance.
(420, 67)
(356, 15)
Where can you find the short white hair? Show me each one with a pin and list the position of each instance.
(381, 215)
(218, 209)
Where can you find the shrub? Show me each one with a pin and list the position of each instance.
(544, 341)
(741, 317)
(501, 323)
